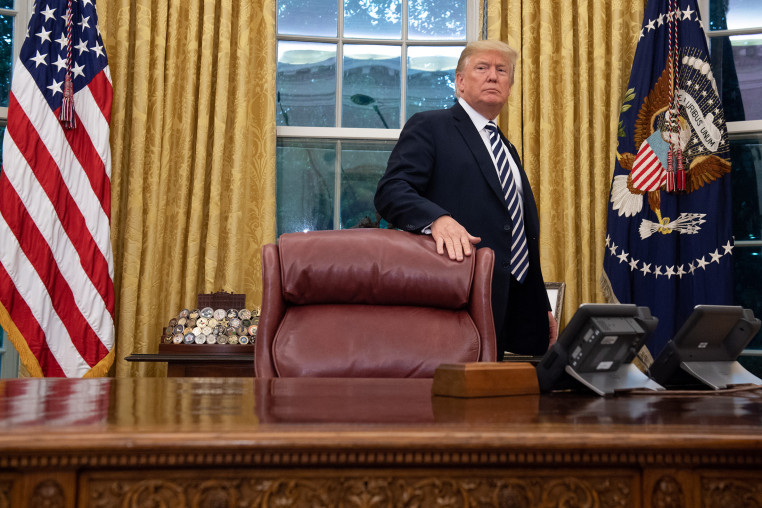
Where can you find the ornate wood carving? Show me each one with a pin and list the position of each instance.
(668, 493)
(6, 493)
(233, 488)
(48, 494)
(725, 492)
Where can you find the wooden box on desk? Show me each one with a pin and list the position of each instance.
(485, 379)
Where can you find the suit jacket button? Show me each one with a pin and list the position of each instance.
(507, 227)
(506, 265)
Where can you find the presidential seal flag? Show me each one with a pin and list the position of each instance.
(56, 265)
(669, 241)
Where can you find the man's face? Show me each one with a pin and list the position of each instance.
(485, 82)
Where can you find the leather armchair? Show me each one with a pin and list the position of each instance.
(371, 303)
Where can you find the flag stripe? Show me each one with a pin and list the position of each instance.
(36, 297)
(38, 254)
(25, 321)
(90, 160)
(647, 172)
(45, 122)
(101, 91)
(56, 201)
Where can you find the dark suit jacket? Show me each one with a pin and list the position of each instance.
(440, 166)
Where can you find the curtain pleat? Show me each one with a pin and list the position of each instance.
(193, 157)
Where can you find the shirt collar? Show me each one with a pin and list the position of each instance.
(478, 120)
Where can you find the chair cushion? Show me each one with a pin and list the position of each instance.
(371, 266)
(367, 341)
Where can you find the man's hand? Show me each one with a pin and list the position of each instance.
(450, 235)
(553, 329)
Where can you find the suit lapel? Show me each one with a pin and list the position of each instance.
(473, 140)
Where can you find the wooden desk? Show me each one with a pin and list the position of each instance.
(207, 360)
(180, 442)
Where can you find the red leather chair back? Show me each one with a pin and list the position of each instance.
(371, 303)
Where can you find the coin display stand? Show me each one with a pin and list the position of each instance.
(220, 323)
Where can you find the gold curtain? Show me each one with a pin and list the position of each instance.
(574, 65)
(193, 157)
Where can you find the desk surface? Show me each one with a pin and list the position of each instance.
(252, 412)
(344, 424)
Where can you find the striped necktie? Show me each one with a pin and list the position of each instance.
(519, 251)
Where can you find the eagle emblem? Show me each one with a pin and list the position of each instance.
(693, 131)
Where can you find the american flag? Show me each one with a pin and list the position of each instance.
(56, 264)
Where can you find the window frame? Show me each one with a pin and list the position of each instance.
(341, 134)
(22, 13)
(738, 129)
(735, 129)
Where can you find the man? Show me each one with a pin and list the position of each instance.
(453, 175)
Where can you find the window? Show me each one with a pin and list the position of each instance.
(14, 16)
(349, 74)
(734, 30)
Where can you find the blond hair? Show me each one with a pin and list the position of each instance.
(510, 54)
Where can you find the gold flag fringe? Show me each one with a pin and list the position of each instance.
(30, 362)
(26, 356)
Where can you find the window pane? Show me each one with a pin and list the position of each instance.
(373, 19)
(6, 4)
(318, 18)
(372, 89)
(734, 14)
(431, 77)
(6, 58)
(747, 269)
(362, 165)
(306, 84)
(746, 160)
(737, 66)
(437, 20)
(305, 185)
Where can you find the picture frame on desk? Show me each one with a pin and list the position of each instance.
(556, 296)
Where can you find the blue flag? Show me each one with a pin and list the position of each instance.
(669, 236)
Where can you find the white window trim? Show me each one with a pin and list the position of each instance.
(745, 127)
(336, 133)
(22, 13)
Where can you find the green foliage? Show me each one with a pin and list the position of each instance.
(628, 96)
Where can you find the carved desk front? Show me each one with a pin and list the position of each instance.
(230, 442)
